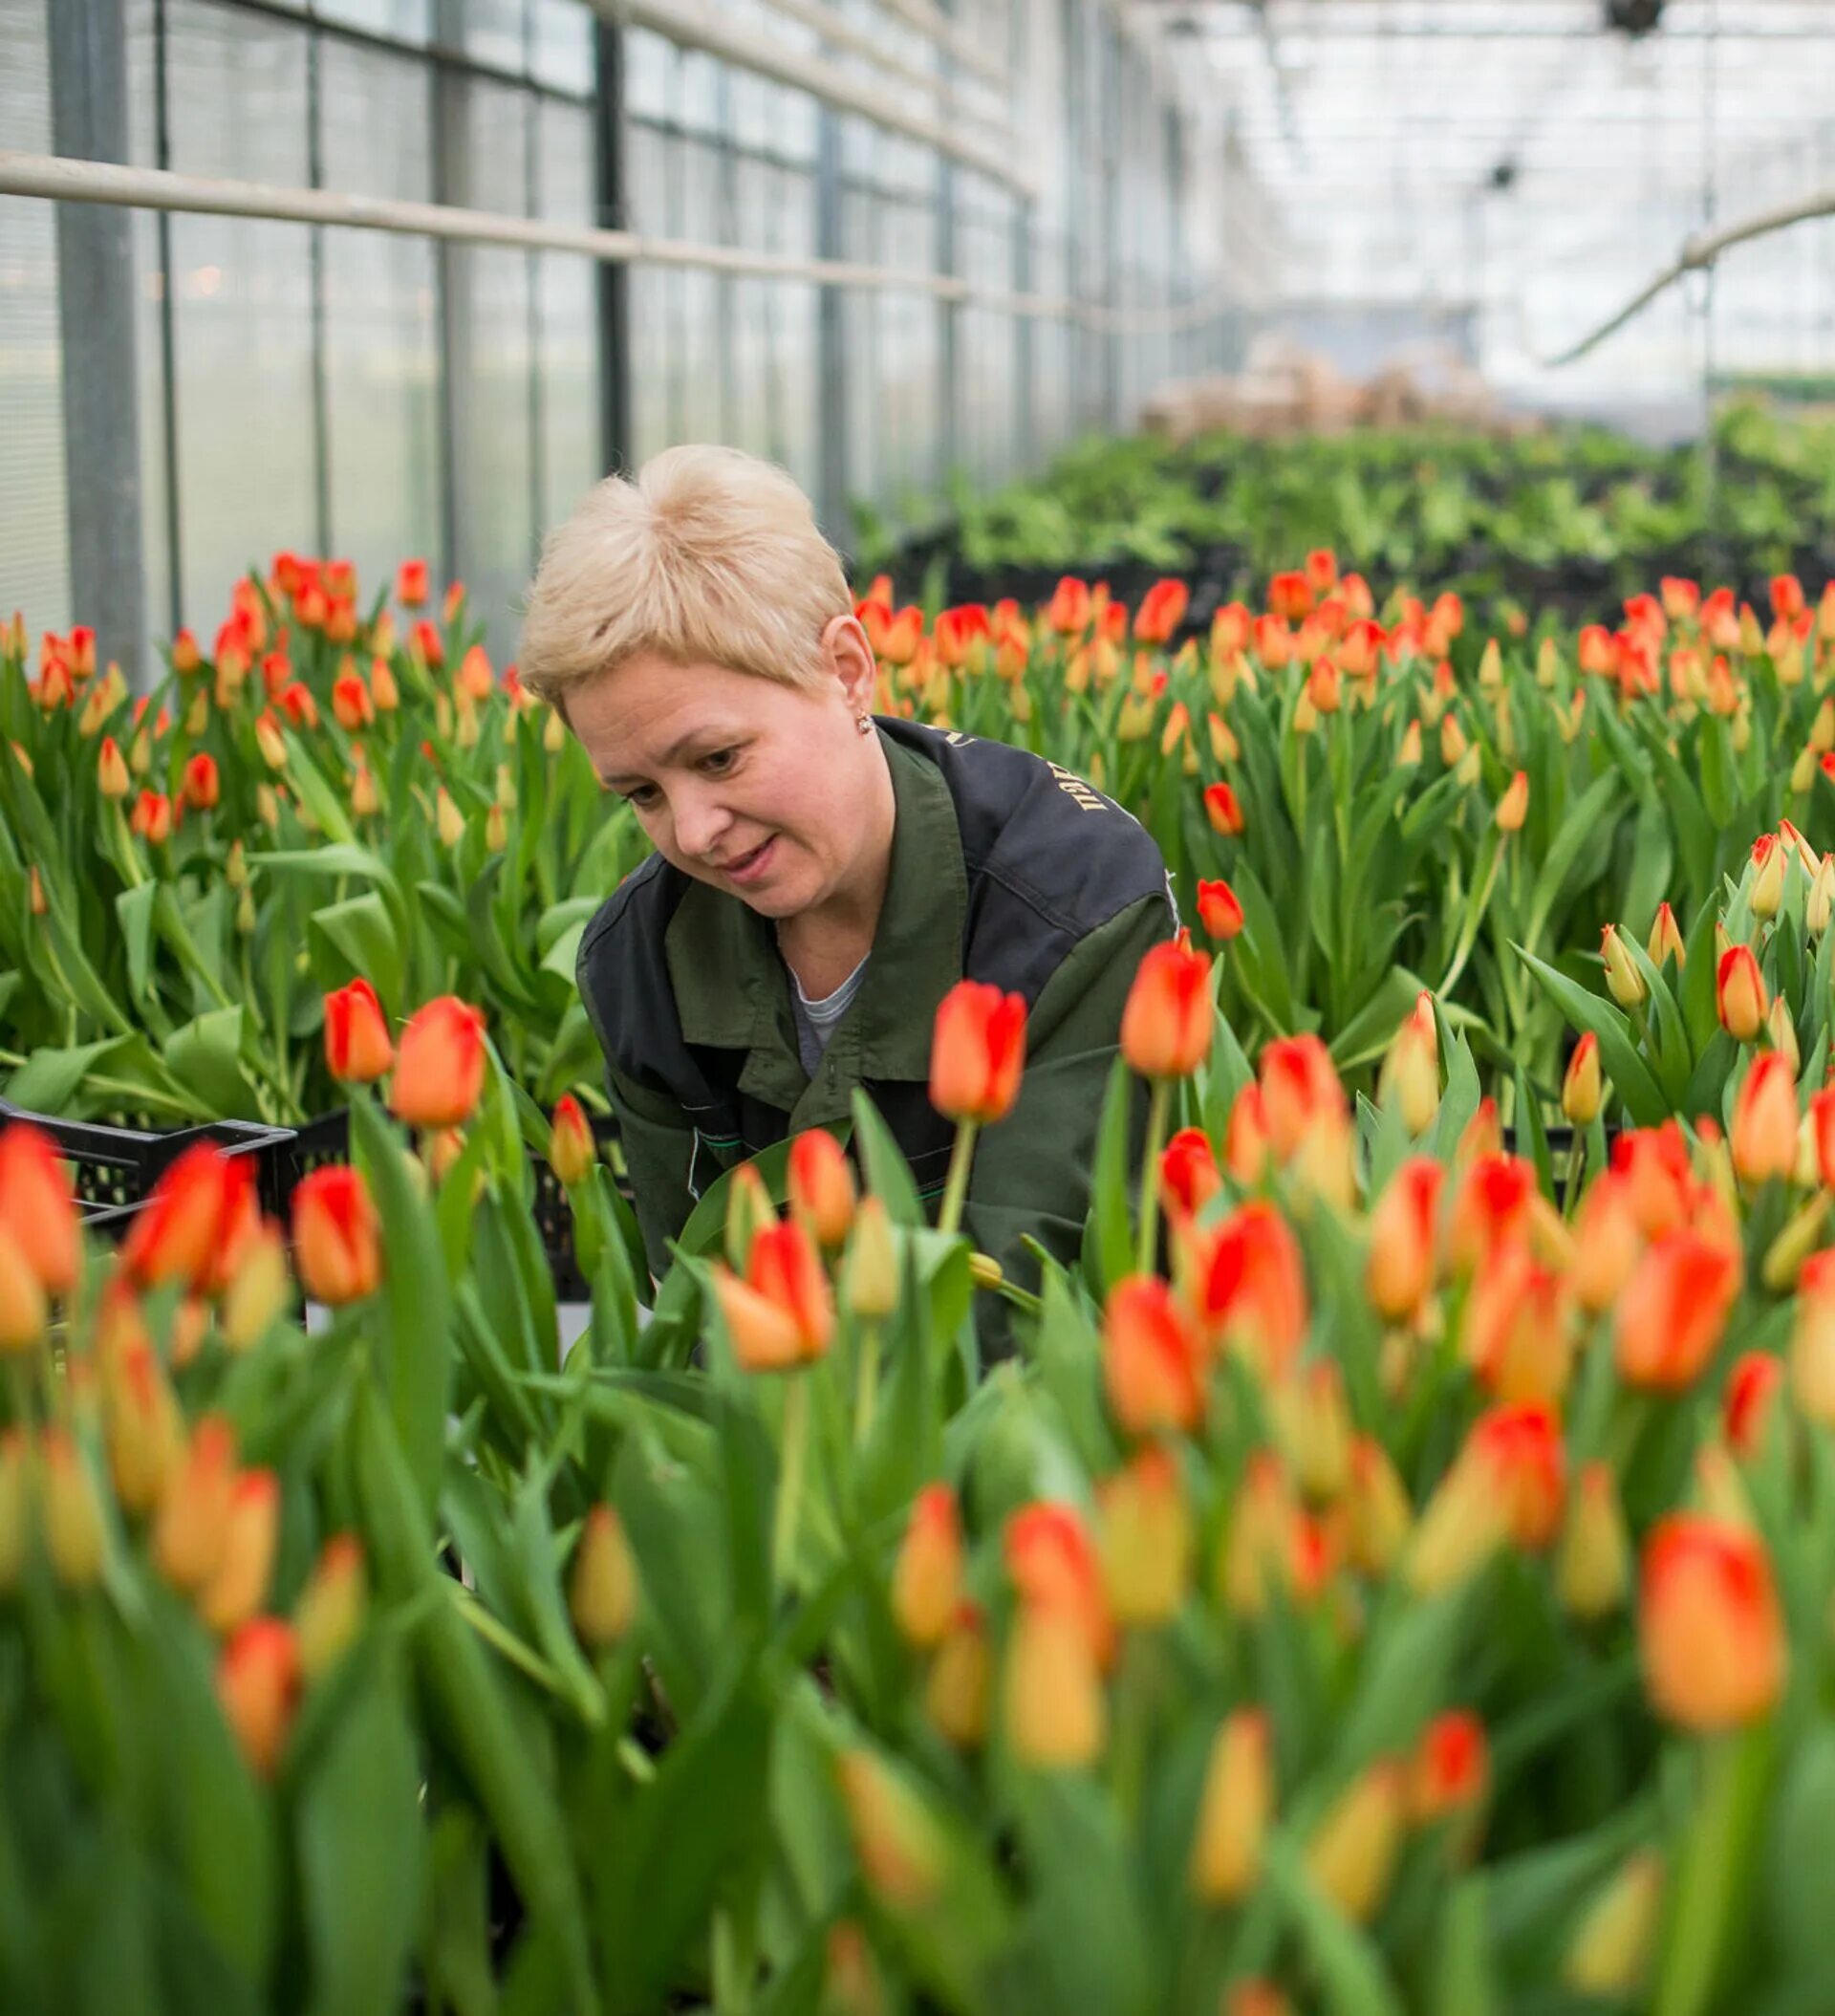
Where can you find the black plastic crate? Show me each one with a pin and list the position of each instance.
(114, 1169)
(328, 1140)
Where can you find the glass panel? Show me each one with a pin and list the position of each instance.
(567, 299)
(242, 305)
(382, 319)
(491, 31)
(561, 44)
(405, 20)
(34, 575)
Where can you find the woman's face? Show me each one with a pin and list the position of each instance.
(763, 790)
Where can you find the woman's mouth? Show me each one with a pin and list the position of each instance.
(749, 867)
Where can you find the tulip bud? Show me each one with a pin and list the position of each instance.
(239, 1587)
(870, 1274)
(1153, 1358)
(1055, 1711)
(36, 899)
(977, 1052)
(748, 1211)
(1513, 808)
(1410, 1079)
(1739, 994)
(1621, 977)
(1146, 1539)
(337, 1236)
(602, 1588)
(1378, 1514)
(1582, 1089)
(927, 1577)
(1399, 1273)
(781, 1316)
(1222, 810)
(111, 771)
(1234, 1811)
(1768, 860)
(821, 1186)
(1710, 1630)
(440, 1065)
(961, 1682)
(1354, 1850)
(1449, 1771)
(1674, 1309)
(1666, 938)
(330, 1612)
(144, 1428)
(1189, 1177)
(572, 1152)
(1610, 1952)
(1764, 1119)
(899, 1844)
(553, 733)
(258, 1687)
(1312, 1425)
(1218, 911)
(358, 1050)
(37, 1207)
(448, 820)
(1166, 1023)
(70, 1511)
(1593, 1571)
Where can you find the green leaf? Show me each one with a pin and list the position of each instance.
(1641, 1093)
(361, 929)
(887, 1172)
(47, 1081)
(1107, 1237)
(134, 911)
(206, 1055)
(1350, 1967)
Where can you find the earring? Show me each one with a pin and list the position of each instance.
(864, 723)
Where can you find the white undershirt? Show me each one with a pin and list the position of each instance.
(815, 1020)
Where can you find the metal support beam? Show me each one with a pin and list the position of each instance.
(832, 390)
(614, 275)
(96, 307)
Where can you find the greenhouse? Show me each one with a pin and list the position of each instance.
(916, 1007)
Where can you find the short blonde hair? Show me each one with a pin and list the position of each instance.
(709, 555)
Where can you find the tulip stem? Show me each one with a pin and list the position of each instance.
(1156, 1112)
(866, 1381)
(956, 1189)
(790, 1475)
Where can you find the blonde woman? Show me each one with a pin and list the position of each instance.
(822, 876)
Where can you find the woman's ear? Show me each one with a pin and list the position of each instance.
(849, 658)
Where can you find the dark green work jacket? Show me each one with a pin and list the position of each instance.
(1004, 869)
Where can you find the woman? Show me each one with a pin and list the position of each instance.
(822, 877)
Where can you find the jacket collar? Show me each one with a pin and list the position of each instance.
(732, 989)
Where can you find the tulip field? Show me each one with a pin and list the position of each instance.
(1394, 1574)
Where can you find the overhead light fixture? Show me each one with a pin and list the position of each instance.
(1633, 17)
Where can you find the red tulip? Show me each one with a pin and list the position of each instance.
(1153, 1358)
(188, 1230)
(781, 1316)
(1166, 1024)
(336, 1244)
(358, 1049)
(439, 1068)
(1218, 911)
(978, 1052)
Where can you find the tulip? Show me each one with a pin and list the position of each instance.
(330, 1610)
(1398, 1275)
(258, 1685)
(572, 1152)
(1153, 1358)
(961, 1680)
(1582, 1089)
(1166, 1024)
(37, 1207)
(1749, 1405)
(901, 1848)
(870, 1274)
(1146, 1537)
(927, 1577)
(411, 584)
(1410, 1079)
(1623, 979)
(1593, 1571)
(1301, 1094)
(1492, 1209)
(1224, 813)
(439, 1067)
(1378, 1515)
(186, 1229)
(1054, 1565)
(1739, 994)
(1354, 1850)
(978, 1052)
(1249, 1290)
(748, 1211)
(1234, 1809)
(1218, 911)
(602, 1587)
(111, 771)
(145, 1432)
(1674, 1309)
(1515, 1334)
(336, 1241)
(1610, 1954)
(239, 1587)
(1711, 1633)
(1666, 938)
(1449, 1771)
(70, 1511)
(1764, 1120)
(352, 706)
(15, 1508)
(358, 1049)
(1055, 1716)
(203, 787)
(782, 1314)
(1812, 1339)
(821, 1187)
(152, 817)
(1189, 1177)
(1513, 808)
(190, 1530)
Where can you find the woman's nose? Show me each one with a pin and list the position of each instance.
(700, 820)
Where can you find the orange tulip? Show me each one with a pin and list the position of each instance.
(927, 1577)
(1519, 1450)
(1655, 1162)
(1222, 810)
(258, 1687)
(188, 1229)
(1146, 1528)
(439, 1068)
(1516, 1335)
(336, 1243)
(1666, 938)
(1399, 1273)
(961, 1680)
(1513, 808)
(1300, 1093)
(202, 786)
(239, 1586)
(821, 1186)
(358, 1049)
(781, 1316)
(1234, 1809)
(1250, 1288)
(1451, 1769)
(1491, 1208)
(152, 817)
(1153, 1358)
(1290, 596)
(411, 584)
(1166, 1023)
(1189, 1177)
(1582, 1089)
(1162, 609)
(977, 1052)
(37, 1206)
(1605, 1243)
(902, 1851)
(1056, 1718)
(572, 1152)
(1750, 1402)
(1218, 911)
(192, 1528)
(1068, 614)
(1674, 1309)
(1710, 1629)
(1053, 1566)
(1739, 994)
(330, 1612)
(1352, 1853)
(1763, 1141)
(602, 1587)
(111, 770)
(352, 706)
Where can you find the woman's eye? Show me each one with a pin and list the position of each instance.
(720, 762)
(641, 795)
